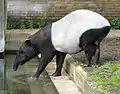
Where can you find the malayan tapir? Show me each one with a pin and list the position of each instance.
(80, 30)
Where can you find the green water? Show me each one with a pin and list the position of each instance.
(19, 82)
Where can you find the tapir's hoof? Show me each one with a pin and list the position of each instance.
(89, 65)
(97, 65)
(56, 74)
(84, 65)
(33, 77)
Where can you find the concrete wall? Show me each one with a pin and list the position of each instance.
(2, 42)
(2, 45)
(58, 8)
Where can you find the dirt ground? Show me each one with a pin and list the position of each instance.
(110, 48)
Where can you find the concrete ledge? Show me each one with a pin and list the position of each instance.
(63, 84)
(79, 76)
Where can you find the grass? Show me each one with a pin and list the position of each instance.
(107, 76)
(77, 63)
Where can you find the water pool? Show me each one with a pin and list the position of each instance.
(19, 82)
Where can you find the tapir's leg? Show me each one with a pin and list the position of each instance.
(44, 60)
(59, 62)
(89, 53)
(97, 53)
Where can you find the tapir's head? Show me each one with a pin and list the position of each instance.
(24, 54)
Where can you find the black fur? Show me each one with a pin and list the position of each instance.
(92, 35)
(42, 39)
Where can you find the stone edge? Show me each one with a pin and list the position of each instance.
(79, 76)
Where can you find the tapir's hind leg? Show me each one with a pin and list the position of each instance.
(97, 53)
(89, 50)
(44, 60)
(90, 43)
(59, 62)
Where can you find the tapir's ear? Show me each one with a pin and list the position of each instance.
(28, 42)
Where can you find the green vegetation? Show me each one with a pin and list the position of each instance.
(77, 62)
(107, 76)
(13, 23)
(115, 23)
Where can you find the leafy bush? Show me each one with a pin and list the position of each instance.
(13, 23)
(115, 23)
(22, 25)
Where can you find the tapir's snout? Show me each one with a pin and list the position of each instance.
(15, 66)
(17, 62)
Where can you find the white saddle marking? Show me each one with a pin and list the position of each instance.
(67, 31)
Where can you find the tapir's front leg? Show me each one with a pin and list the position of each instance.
(44, 60)
(59, 62)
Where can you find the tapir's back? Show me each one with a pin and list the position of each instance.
(67, 31)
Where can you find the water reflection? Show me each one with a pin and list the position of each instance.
(2, 74)
(1, 67)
